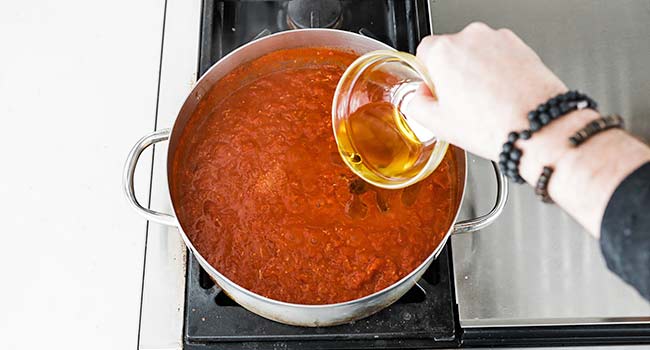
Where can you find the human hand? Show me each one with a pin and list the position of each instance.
(486, 81)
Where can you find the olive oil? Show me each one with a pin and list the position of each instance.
(378, 144)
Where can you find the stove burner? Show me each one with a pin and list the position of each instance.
(423, 317)
(314, 14)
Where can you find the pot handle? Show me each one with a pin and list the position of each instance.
(129, 170)
(483, 221)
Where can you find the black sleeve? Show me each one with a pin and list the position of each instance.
(625, 231)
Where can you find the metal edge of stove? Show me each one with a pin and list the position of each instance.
(163, 286)
(592, 331)
(600, 335)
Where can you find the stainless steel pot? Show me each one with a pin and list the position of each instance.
(295, 314)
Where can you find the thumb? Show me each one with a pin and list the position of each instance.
(425, 110)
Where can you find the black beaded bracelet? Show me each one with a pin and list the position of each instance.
(510, 156)
(558, 106)
(538, 118)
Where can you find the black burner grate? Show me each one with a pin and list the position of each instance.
(424, 317)
(421, 318)
(230, 24)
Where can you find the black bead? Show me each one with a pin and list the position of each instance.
(572, 95)
(547, 171)
(524, 135)
(573, 140)
(512, 137)
(507, 147)
(511, 164)
(511, 173)
(541, 108)
(553, 101)
(554, 112)
(532, 115)
(563, 97)
(564, 107)
(520, 180)
(515, 154)
(503, 156)
(592, 104)
(535, 125)
(544, 118)
(502, 166)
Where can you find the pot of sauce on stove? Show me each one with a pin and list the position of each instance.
(264, 202)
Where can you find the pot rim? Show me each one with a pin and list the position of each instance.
(212, 270)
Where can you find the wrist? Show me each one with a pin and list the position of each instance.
(586, 177)
(549, 145)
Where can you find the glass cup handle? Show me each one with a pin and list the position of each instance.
(484, 221)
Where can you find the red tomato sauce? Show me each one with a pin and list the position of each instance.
(262, 193)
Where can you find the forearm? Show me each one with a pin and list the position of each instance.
(586, 176)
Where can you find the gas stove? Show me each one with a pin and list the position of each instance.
(506, 286)
(424, 317)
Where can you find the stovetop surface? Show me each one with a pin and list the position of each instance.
(424, 317)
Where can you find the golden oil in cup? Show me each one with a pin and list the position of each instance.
(375, 139)
(395, 156)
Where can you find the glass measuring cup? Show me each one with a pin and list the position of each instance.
(374, 137)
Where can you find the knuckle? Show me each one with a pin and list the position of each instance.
(429, 45)
(477, 26)
(425, 44)
(507, 32)
(428, 39)
(444, 41)
(423, 47)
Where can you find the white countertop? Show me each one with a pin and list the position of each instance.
(78, 86)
